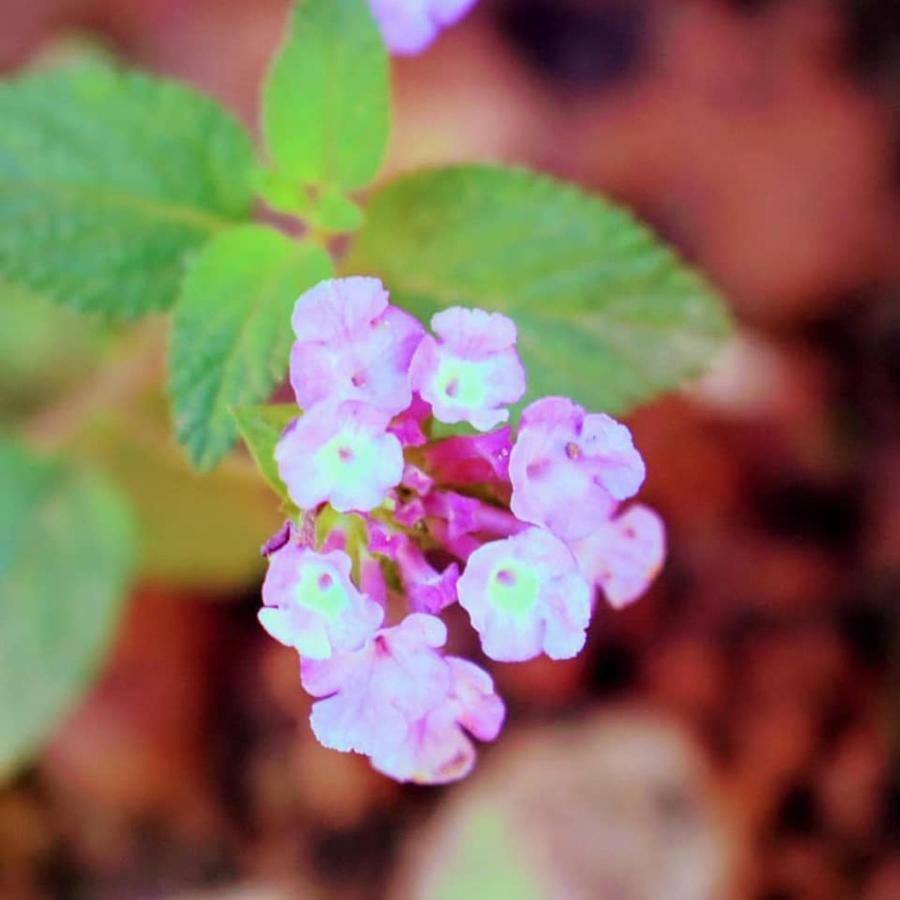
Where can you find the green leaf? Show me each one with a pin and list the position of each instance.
(232, 333)
(335, 214)
(606, 313)
(66, 552)
(107, 179)
(326, 102)
(45, 350)
(261, 427)
(199, 532)
(281, 193)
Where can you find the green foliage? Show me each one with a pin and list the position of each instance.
(66, 553)
(485, 859)
(334, 213)
(326, 103)
(606, 313)
(107, 178)
(261, 427)
(44, 350)
(232, 333)
(198, 531)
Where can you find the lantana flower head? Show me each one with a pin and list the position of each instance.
(341, 454)
(310, 603)
(624, 555)
(399, 526)
(398, 700)
(569, 469)
(351, 345)
(470, 372)
(525, 596)
(409, 26)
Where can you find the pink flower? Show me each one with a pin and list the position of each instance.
(473, 371)
(351, 345)
(569, 469)
(470, 459)
(400, 702)
(311, 604)
(409, 26)
(469, 515)
(437, 749)
(409, 425)
(427, 589)
(525, 595)
(624, 555)
(340, 454)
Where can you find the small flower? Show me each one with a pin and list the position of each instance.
(398, 701)
(623, 556)
(409, 26)
(569, 469)
(437, 750)
(372, 696)
(311, 604)
(351, 345)
(525, 595)
(473, 371)
(340, 454)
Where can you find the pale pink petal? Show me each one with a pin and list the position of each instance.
(525, 595)
(370, 697)
(351, 345)
(341, 455)
(569, 470)
(410, 26)
(473, 372)
(624, 556)
(311, 604)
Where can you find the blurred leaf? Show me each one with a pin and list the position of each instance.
(281, 193)
(336, 214)
(261, 428)
(43, 349)
(107, 178)
(197, 531)
(606, 313)
(326, 102)
(484, 861)
(232, 331)
(66, 553)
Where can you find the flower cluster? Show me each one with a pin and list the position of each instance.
(398, 526)
(409, 26)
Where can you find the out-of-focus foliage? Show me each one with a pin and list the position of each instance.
(605, 312)
(617, 805)
(67, 547)
(107, 178)
(43, 350)
(231, 333)
(197, 531)
(326, 103)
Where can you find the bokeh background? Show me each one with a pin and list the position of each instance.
(735, 734)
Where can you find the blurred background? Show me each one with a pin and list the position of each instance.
(736, 733)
